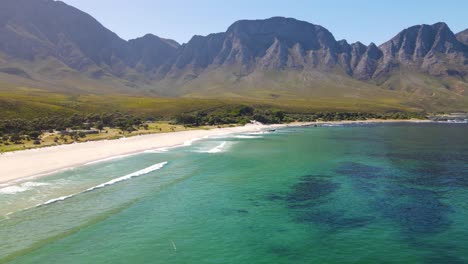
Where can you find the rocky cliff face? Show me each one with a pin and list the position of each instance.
(36, 30)
(151, 53)
(275, 43)
(431, 48)
(285, 43)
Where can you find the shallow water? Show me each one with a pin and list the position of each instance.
(386, 193)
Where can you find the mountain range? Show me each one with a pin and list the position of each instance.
(49, 45)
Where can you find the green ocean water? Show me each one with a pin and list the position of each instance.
(393, 193)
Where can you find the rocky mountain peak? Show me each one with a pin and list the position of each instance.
(289, 31)
(419, 47)
(151, 52)
(41, 30)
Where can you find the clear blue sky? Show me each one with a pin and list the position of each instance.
(363, 20)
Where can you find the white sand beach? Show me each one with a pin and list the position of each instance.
(25, 164)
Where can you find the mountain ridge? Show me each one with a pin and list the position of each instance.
(52, 44)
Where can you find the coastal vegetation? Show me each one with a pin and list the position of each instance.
(243, 115)
(18, 134)
(31, 117)
(24, 133)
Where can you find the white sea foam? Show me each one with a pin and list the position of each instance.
(158, 150)
(34, 184)
(43, 174)
(186, 143)
(190, 142)
(459, 121)
(7, 215)
(217, 149)
(57, 199)
(247, 136)
(14, 189)
(333, 125)
(129, 176)
(111, 182)
(111, 158)
(258, 133)
(222, 136)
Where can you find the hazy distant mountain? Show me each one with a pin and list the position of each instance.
(59, 46)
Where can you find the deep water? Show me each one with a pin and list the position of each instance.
(382, 193)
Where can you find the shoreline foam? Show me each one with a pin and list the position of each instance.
(150, 169)
(34, 163)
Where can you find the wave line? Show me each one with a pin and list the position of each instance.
(111, 182)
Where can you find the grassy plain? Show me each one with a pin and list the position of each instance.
(33, 103)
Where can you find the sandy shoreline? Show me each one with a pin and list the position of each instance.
(33, 163)
(26, 164)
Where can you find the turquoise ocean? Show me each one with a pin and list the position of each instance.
(369, 193)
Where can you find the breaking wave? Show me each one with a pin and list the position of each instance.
(111, 182)
(21, 188)
(111, 158)
(217, 149)
(247, 136)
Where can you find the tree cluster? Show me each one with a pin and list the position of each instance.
(234, 115)
(353, 116)
(242, 115)
(16, 130)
